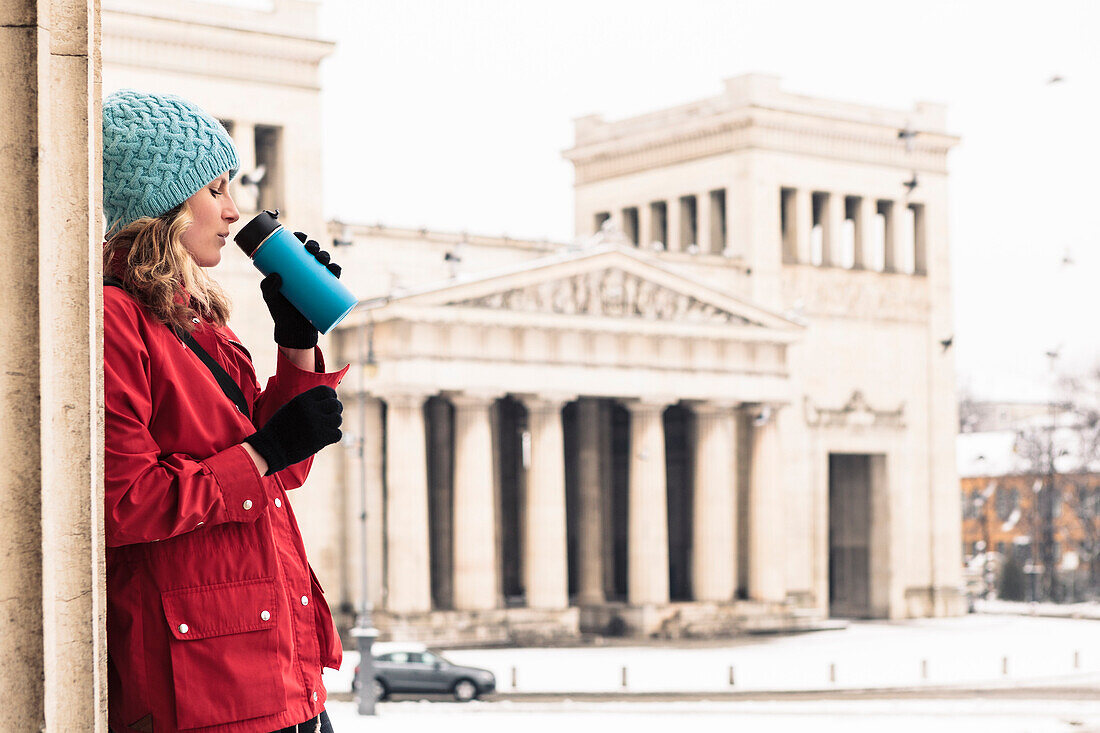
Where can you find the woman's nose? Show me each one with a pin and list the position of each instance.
(230, 213)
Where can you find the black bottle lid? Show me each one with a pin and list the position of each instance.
(256, 231)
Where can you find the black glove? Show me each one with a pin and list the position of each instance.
(292, 329)
(299, 429)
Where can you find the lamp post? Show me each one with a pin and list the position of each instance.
(1047, 497)
(364, 631)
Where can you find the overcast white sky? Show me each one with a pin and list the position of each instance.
(452, 115)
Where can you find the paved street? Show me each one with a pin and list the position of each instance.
(968, 715)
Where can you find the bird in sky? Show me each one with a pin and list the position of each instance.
(946, 343)
(911, 183)
(1056, 79)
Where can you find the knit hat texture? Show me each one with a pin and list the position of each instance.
(158, 151)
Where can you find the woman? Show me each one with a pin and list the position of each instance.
(215, 620)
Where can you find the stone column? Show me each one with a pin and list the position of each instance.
(590, 517)
(702, 222)
(832, 227)
(673, 217)
(892, 245)
(647, 554)
(475, 566)
(714, 542)
(52, 596)
(864, 226)
(545, 569)
(363, 481)
(408, 572)
(766, 561)
(645, 227)
(804, 223)
(734, 246)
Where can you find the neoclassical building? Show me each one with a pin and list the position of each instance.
(727, 405)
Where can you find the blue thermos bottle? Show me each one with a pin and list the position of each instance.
(307, 284)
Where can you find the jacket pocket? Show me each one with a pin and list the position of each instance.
(225, 664)
(327, 640)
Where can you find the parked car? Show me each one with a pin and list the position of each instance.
(413, 668)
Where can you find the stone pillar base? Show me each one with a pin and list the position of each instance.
(700, 620)
(500, 626)
(934, 602)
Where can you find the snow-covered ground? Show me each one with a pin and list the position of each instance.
(827, 716)
(1089, 610)
(967, 651)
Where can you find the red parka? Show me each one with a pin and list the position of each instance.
(215, 621)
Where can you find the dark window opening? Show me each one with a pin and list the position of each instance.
(688, 229)
(658, 217)
(787, 228)
(718, 221)
(630, 224)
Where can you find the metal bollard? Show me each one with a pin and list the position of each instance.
(513, 678)
(624, 676)
(731, 676)
(1076, 659)
(832, 672)
(1004, 665)
(924, 669)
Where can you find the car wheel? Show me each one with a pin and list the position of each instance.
(380, 691)
(465, 690)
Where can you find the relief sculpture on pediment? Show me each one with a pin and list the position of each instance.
(609, 292)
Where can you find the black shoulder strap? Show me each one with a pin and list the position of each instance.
(229, 387)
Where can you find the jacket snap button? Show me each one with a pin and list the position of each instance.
(315, 697)
(278, 502)
(183, 628)
(247, 504)
(305, 601)
(264, 615)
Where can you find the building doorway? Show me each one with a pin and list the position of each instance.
(851, 479)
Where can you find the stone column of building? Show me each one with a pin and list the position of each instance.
(702, 221)
(645, 226)
(714, 540)
(52, 595)
(673, 223)
(892, 244)
(864, 225)
(362, 483)
(590, 515)
(408, 574)
(647, 553)
(804, 223)
(832, 256)
(545, 570)
(735, 244)
(766, 561)
(474, 548)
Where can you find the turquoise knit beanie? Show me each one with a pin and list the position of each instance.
(158, 151)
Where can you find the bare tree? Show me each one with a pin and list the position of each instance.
(1063, 454)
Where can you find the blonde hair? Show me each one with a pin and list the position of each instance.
(149, 257)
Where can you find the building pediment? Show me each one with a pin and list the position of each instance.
(605, 283)
(611, 292)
